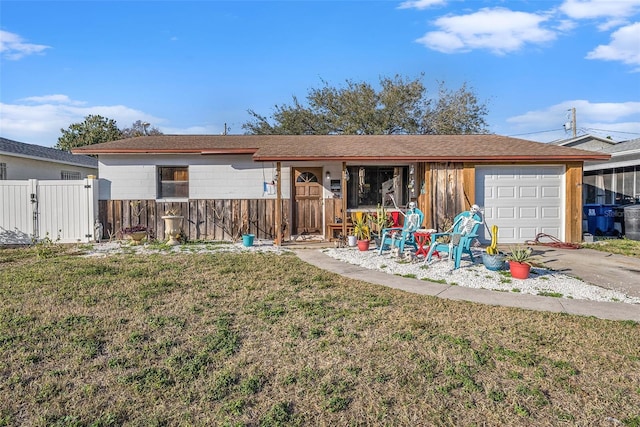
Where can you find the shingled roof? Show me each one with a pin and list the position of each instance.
(428, 148)
(38, 152)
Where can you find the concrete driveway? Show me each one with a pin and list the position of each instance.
(603, 269)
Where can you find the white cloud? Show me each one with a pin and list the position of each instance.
(593, 9)
(420, 4)
(624, 46)
(13, 47)
(619, 118)
(498, 30)
(39, 119)
(53, 99)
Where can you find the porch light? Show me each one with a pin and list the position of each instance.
(328, 176)
(346, 175)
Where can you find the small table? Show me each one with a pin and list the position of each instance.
(423, 237)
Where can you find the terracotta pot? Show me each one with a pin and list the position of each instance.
(363, 245)
(519, 270)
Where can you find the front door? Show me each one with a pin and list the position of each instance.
(308, 201)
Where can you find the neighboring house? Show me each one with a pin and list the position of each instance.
(310, 185)
(586, 142)
(20, 161)
(614, 181)
(617, 180)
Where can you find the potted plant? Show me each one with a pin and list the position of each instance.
(493, 259)
(378, 221)
(135, 233)
(520, 259)
(172, 226)
(362, 232)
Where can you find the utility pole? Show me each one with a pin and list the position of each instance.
(573, 121)
(571, 124)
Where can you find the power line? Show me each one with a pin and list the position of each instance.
(533, 133)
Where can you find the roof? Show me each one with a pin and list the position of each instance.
(624, 147)
(38, 152)
(623, 154)
(433, 148)
(570, 142)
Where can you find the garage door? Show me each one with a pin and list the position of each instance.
(522, 201)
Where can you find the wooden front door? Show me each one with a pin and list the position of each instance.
(308, 201)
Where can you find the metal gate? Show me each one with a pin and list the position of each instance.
(64, 211)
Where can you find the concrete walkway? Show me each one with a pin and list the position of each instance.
(598, 268)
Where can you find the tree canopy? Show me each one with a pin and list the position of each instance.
(95, 129)
(400, 106)
(140, 128)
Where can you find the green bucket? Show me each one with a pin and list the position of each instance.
(247, 239)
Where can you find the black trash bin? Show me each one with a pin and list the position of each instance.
(632, 222)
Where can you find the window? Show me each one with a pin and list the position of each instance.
(369, 186)
(612, 186)
(69, 175)
(173, 182)
(3, 171)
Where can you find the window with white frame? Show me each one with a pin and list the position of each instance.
(3, 171)
(70, 175)
(173, 182)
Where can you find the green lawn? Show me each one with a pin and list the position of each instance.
(616, 246)
(257, 339)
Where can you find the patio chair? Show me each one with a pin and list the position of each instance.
(461, 235)
(401, 236)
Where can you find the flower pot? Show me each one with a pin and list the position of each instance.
(352, 240)
(363, 245)
(172, 228)
(247, 239)
(136, 237)
(519, 270)
(493, 262)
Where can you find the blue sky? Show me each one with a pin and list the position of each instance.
(191, 67)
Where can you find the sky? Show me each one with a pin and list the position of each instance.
(194, 67)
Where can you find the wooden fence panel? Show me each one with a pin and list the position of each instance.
(204, 219)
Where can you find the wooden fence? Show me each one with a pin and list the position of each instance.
(203, 219)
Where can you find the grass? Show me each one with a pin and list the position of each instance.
(616, 246)
(267, 340)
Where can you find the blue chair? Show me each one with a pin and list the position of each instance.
(401, 236)
(464, 231)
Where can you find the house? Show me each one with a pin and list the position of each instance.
(617, 180)
(310, 185)
(19, 161)
(586, 142)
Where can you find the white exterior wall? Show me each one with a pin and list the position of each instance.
(19, 168)
(133, 176)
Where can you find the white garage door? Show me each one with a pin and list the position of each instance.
(522, 201)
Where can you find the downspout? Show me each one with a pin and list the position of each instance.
(278, 240)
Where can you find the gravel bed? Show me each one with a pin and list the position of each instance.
(474, 275)
(116, 247)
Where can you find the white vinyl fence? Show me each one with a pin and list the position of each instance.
(64, 211)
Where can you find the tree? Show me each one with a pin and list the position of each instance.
(93, 130)
(140, 128)
(399, 107)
